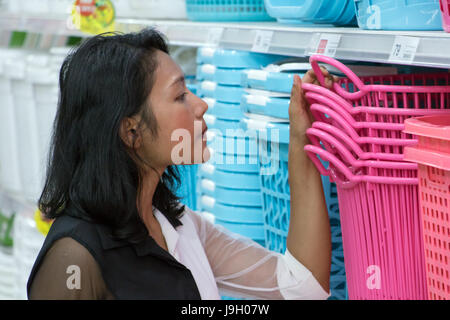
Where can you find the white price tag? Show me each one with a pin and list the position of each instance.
(214, 36)
(327, 44)
(262, 41)
(404, 49)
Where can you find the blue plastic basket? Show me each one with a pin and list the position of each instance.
(205, 55)
(398, 14)
(221, 125)
(275, 192)
(237, 197)
(339, 12)
(226, 10)
(270, 81)
(230, 213)
(223, 110)
(230, 180)
(238, 144)
(224, 76)
(221, 93)
(225, 58)
(234, 162)
(188, 177)
(272, 107)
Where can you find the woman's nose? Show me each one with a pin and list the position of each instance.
(200, 107)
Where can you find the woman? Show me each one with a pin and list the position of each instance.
(119, 230)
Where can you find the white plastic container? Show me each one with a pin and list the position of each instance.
(27, 244)
(159, 9)
(34, 7)
(9, 156)
(60, 7)
(26, 128)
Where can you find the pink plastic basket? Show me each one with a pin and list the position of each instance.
(433, 156)
(445, 10)
(381, 232)
(379, 105)
(385, 133)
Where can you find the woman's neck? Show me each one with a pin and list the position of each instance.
(148, 186)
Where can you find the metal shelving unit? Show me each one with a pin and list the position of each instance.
(432, 47)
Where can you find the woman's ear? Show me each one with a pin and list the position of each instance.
(129, 133)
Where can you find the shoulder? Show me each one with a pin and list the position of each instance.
(68, 271)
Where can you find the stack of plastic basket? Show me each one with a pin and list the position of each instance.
(337, 12)
(433, 157)
(7, 265)
(226, 10)
(358, 129)
(398, 14)
(32, 81)
(27, 244)
(266, 107)
(445, 10)
(228, 185)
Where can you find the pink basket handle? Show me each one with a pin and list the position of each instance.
(319, 110)
(338, 169)
(351, 144)
(317, 135)
(314, 61)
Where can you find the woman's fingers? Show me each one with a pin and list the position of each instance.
(310, 77)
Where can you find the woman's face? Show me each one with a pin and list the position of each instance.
(181, 132)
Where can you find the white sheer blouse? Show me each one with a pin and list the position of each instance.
(228, 264)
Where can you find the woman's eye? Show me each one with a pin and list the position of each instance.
(182, 97)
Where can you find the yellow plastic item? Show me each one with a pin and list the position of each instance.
(93, 16)
(42, 225)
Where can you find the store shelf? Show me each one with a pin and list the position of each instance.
(354, 44)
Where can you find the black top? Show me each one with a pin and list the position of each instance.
(109, 268)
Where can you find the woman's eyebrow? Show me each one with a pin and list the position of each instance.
(178, 80)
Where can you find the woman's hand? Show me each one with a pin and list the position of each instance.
(300, 115)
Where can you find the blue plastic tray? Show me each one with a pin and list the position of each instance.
(237, 197)
(188, 177)
(230, 94)
(226, 10)
(224, 58)
(337, 12)
(398, 14)
(240, 145)
(223, 110)
(234, 162)
(205, 55)
(231, 180)
(223, 76)
(272, 107)
(232, 213)
(270, 81)
(225, 127)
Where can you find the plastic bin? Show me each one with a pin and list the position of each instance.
(272, 107)
(445, 10)
(227, 94)
(339, 12)
(275, 192)
(398, 14)
(433, 156)
(237, 197)
(223, 110)
(231, 77)
(235, 214)
(234, 162)
(226, 10)
(158, 9)
(239, 144)
(9, 156)
(230, 180)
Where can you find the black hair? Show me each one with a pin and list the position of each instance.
(107, 78)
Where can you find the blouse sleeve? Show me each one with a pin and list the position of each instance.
(243, 268)
(68, 272)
